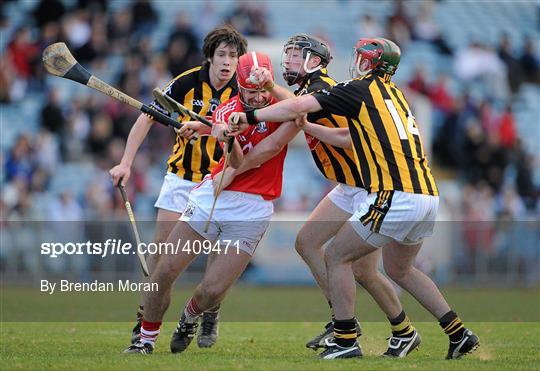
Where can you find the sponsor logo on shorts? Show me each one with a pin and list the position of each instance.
(188, 211)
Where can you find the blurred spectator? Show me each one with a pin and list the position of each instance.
(77, 28)
(96, 47)
(100, 135)
(144, 17)
(157, 74)
(93, 6)
(448, 144)
(508, 56)
(119, 31)
(529, 62)
(426, 29)
(20, 163)
(182, 48)
(47, 147)
(64, 208)
(399, 25)
(507, 128)
(369, 27)
(23, 52)
(48, 11)
(76, 131)
(524, 164)
(418, 83)
(250, 19)
(52, 117)
(440, 95)
(511, 206)
(209, 21)
(50, 34)
(480, 64)
(7, 80)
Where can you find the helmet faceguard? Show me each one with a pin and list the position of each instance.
(243, 73)
(372, 55)
(308, 46)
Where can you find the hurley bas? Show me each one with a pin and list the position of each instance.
(96, 286)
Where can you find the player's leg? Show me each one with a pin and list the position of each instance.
(346, 248)
(398, 263)
(170, 203)
(169, 267)
(322, 224)
(404, 337)
(239, 222)
(218, 278)
(208, 333)
(165, 222)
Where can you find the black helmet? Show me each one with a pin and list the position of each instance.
(309, 45)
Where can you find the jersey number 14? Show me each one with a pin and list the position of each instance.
(411, 125)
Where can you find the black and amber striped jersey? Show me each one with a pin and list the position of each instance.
(335, 163)
(192, 161)
(386, 141)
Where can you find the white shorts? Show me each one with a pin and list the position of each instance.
(347, 198)
(174, 193)
(239, 220)
(394, 215)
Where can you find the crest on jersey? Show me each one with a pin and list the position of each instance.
(261, 127)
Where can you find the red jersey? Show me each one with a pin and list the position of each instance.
(265, 180)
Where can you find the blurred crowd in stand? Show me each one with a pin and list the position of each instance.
(475, 138)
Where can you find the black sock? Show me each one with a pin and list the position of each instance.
(452, 326)
(401, 325)
(345, 332)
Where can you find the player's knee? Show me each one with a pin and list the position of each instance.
(332, 256)
(301, 244)
(211, 292)
(396, 272)
(163, 277)
(364, 274)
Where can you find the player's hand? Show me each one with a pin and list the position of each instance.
(120, 171)
(301, 122)
(220, 131)
(228, 176)
(237, 123)
(193, 129)
(261, 77)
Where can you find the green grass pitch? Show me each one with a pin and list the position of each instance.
(263, 344)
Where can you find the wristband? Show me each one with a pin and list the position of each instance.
(250, 116)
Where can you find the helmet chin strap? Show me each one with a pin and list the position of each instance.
(306, 68)
(360, 73)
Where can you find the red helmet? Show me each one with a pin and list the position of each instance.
(248, 60)
(243, 72)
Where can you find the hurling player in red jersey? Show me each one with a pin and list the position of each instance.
(241, 215)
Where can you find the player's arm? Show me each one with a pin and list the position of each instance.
(337, 137)
(268, 147)
(262, 152)
(220, 132)
(264, 77)
(343, 99)
(136, 136)
(193, 129)
(287, 110)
